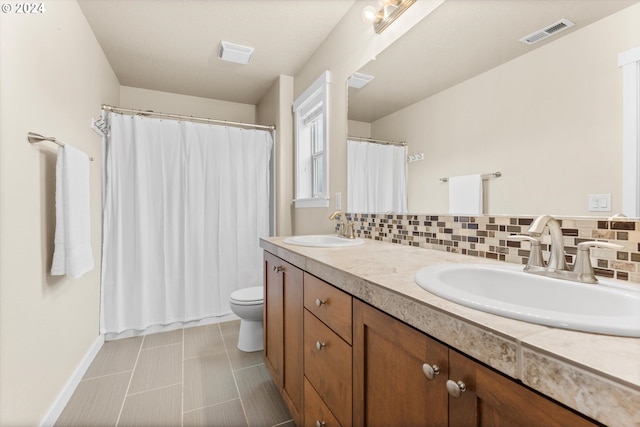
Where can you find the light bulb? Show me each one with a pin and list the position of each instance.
(369, 14)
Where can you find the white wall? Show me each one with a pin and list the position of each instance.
(359, 129)
(349, 46)
(275, 109)
(53, 79)
(550, 121)
(165, 102)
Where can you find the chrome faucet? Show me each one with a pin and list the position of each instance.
(556, 258)
(346, 227)
(557, 266)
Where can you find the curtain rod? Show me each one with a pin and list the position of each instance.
(182, 117)
(377, 141)
(34, 138)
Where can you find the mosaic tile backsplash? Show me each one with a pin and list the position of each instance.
(486, 236)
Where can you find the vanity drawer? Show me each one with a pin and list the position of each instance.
(315, 411)
(328, 367)
(329, 304)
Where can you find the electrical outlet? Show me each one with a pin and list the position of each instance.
(338, 200)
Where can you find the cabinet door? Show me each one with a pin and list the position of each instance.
(316, 413)
(493, 400)
(283, 333)
(390, 385)
(330, 305)
(328, 367)
(293, 341)
(273, 317)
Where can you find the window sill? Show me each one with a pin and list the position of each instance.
(316, 202)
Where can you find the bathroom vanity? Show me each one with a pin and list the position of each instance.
(350, 339)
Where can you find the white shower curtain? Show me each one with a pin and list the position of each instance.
(184, 207)
(376, 178)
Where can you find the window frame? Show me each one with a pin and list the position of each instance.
(316, 96)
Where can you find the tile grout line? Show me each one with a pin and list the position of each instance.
(152, 389)
(130, 380)
(211, 405)
(246, 367)
(182, 400)
(97, 377)
(233, 373)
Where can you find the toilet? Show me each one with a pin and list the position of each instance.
(248, 305)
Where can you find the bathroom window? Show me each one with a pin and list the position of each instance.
(310, 118)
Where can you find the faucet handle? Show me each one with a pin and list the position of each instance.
(350, 231)
(535, 255)
(584, 246)
(583, 267)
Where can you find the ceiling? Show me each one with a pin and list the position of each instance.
(172, 46)
(459, 40)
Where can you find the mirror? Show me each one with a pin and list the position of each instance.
(461, 89)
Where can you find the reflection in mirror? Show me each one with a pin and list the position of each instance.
(463, 91)
(376, 176)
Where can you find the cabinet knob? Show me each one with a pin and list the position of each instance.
(278, 268)
(456, 389)
(320, 345)
(430, 371)
(320, 424)
(320, 302)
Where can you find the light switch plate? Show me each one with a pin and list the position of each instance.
(600, 202)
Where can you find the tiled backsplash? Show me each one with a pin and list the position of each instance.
(486, 236)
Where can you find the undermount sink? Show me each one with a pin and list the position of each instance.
(323, 241)
(605, 308)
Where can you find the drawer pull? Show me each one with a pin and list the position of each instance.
(320, 345)
(320, 424)
(456, 389)
(320, 302)
(278, 268)
(430, 371)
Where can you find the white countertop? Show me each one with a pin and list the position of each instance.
(597, 375)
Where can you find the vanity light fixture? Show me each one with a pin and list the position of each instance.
(389, 12)
(235, 53)
(359, 80)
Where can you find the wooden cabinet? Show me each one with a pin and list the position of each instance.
(492, 399)
(327, 349)
(330, 305)
(316, 412)
(283, 331)
(390, 387)
(395, 383)
(340, 362)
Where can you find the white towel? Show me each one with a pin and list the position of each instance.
(72, 254)
(465, 194)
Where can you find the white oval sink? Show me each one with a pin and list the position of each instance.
(323, 241)
(606, 308)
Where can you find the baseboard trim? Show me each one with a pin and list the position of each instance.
(67, 391)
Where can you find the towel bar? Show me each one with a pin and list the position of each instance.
(484, 176)
(36, 137)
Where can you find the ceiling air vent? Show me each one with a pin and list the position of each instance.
(234, 52)
(359, 80)
(548, 31)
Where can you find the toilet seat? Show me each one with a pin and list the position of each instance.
(247, 296)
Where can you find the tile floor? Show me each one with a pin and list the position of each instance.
(188, 377)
